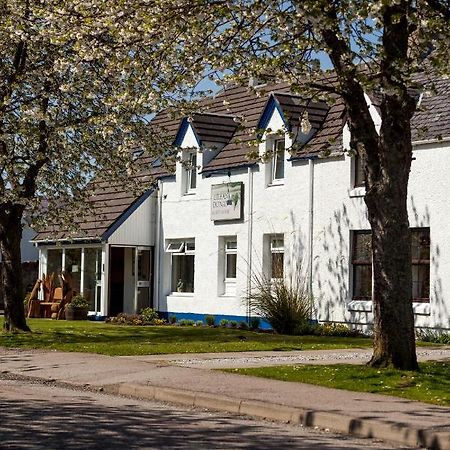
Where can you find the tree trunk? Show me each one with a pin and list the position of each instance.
(10, 237)
(386, 200)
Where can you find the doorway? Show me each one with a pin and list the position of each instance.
(116, 280)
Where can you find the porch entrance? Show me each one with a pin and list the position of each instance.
(130, 279)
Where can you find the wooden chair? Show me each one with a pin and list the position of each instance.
(62, 296)
(33, 308)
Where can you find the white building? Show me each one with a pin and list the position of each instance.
(190, 246)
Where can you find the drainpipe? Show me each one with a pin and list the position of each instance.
(311, 231)
(157, 270)
(104, 306)
(249, 237)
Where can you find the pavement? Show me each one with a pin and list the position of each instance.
(190, 380)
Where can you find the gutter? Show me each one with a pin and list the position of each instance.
(431, 141)
(209, 172)
(96, 240)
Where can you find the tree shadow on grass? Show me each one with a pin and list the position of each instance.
(125, 340)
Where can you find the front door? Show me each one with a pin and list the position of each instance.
(116, 280)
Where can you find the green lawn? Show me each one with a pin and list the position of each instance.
(431, 384)
(98, 337)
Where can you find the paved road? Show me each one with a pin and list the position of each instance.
(37, 416)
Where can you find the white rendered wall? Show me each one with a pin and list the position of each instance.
(277, 209)
(283, 209)
(340, 209)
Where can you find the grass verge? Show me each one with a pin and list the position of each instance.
(106, 339)
(431, 384)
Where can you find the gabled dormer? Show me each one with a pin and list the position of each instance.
(200, 138)
(189, 144)
(287, 123)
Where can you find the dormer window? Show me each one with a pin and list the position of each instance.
(191, 172)
(277, 163)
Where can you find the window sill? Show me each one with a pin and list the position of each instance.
(276, 183)
(420, 309)
(181, 294)
(360, 305)
(187, 194)
(357, 192)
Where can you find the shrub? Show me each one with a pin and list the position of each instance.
(126, 319)
(233, 324)
(224, 323)
(79, 302)
(199, 323)
(243, 326)
(434, 336)
(172, 319)
(306, 328)
(335, 329)
(254, 323)
(186, 323)
(136, 319)
(159, 322)
(210, 320)
(149, 315)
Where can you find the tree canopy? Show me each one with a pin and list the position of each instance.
(79, 80)
(78, 83)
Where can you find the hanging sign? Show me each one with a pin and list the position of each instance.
(227, 201)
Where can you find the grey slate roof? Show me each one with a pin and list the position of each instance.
(295, 106)
(216, 128)
(432, 119)
(217, 122)
(109, 201)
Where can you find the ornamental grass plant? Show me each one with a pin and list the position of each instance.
(284, 303)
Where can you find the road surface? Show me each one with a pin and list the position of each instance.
(37, 416)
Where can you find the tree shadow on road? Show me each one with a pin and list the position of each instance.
(84, 422)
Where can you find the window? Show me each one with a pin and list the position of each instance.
(183, 253)
(191, 172)
(277, 166)
(362, 265)
(276, 256)
(230, 259)
(359, 175)
(420, 254)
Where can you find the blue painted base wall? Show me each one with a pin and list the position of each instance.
(218, 317)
